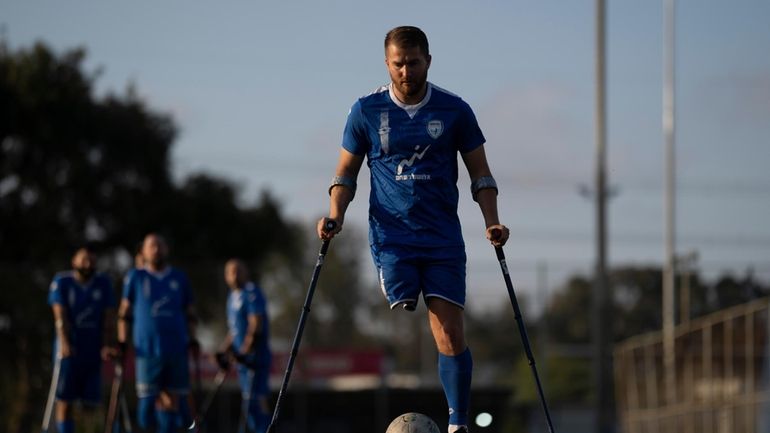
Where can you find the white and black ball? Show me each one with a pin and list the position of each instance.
(412, 422)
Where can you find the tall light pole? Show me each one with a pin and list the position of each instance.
(669, 356)
(601, 305)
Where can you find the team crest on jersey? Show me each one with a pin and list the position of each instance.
(435, 128)
(97, 295)
(174, 285)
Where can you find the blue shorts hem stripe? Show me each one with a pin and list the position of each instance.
(393, 305)
(433, 295)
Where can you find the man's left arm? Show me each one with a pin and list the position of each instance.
(253, 331)
(484, 191)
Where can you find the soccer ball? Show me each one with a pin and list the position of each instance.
(412, 422)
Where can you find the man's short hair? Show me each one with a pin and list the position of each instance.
(156, 234)
(407, 36)
(89, 247)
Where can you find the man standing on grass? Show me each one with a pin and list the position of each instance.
(410, 132)
(157, 301)
(83, 305)
(248, 341)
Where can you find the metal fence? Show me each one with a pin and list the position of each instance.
(722, 373)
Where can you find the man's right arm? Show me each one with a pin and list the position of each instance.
(62, 330)
(124, 319)
(340, 192)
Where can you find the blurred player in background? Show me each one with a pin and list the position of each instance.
(411, 132)
(83, 305)
(157, 302)
(248, 342)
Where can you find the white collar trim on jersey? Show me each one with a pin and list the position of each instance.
(411, 110)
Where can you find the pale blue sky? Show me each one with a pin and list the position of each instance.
(260, 91)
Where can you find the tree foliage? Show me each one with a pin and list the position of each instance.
(74, 168)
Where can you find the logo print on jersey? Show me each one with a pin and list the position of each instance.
(174, 285)
(71, 298)
(435, 128)
(409, 162)
(157, 306)
(146, 287)
(81, 319)
(97, 295)
(384, 131)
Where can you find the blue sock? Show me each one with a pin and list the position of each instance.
(166, 421)
(66, 426)
(146, 412)
(455, 374)
(257, 420)
(262, 421)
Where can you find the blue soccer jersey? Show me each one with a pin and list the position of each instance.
(242, 303)
(159, 302)
(84, 306)
(412, 153)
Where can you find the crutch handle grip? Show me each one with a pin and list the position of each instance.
(330, 225)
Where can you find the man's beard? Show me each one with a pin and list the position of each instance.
(159, 262)
(85, 273)
(413, 89)
(416, 84)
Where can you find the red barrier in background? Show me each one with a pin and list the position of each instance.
(311, 365)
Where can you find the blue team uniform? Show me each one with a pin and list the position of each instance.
(84, 305)
(160, 336)
(411, 151)
(253, 378)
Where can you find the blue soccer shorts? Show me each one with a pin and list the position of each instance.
(156, 373)
(80, 380)
(404, 272)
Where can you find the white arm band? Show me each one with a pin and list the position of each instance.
(484, 182)
(344, 181)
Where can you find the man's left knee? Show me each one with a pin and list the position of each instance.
(451, 340)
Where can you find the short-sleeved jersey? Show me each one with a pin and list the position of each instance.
(159, 302)
(412, 156)
(84, 306)
(242, 303)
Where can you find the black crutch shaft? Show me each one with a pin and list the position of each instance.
(523, 331)
(330, 225)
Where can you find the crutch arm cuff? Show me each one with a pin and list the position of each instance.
(345, 181)
(484, 182)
